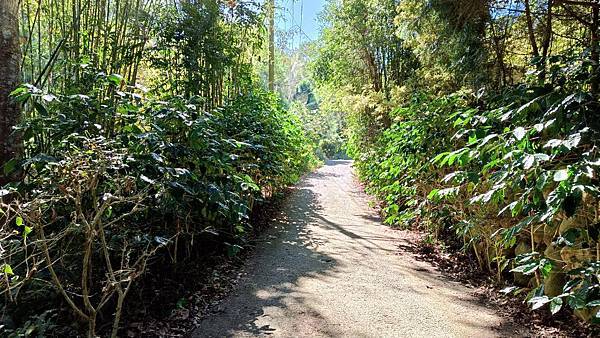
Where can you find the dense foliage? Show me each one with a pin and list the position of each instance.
(162, 164)
(485, 135)
(165, 173)
(148, 138)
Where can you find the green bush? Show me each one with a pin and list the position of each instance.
(513, 174)
(112, 178)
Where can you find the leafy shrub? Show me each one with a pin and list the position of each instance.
(513, 174)
(112, 178)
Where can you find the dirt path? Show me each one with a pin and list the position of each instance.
(330, 269)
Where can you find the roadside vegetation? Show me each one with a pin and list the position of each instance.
(147, 138)
(476, 121)
(139, 136)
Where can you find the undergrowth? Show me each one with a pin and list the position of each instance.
(113, 180)
(512, 174)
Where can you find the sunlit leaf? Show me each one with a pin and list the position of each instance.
(7, 269)
(519, 133)
(556, 305)
(561, 175)
(538, 302)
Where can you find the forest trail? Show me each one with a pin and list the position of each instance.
(329, 268)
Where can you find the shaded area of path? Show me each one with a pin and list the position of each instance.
(328, 268)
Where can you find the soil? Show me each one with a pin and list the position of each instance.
(463, 267)
(327, 267)
(170, 303)
(323, 265)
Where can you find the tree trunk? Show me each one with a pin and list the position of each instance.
(271, 10)
(595, 54)
(499, 49)
(530, 30)
(546, 43)
(10, 57)
(371, 64)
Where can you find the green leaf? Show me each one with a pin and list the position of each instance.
(23, 93)
(433, 193)
(553, 143)
(19, 91)
(161, 241)
(540, 184)
(10, 166)
(7, 269)
(526, 269)
(486, 140)
(49, 97)
(519, 133)
(529, 107)
(182, 303)
(26, 231)
(538, 302)
(561, 175)
(509, 289)
(539, 127)
(577, 298)
(569, 237)
(546, 267)
(555, 305)
(439, 157)
(147, 179)
(40, 109)
(438, 194)
(233, 250)
(571, 284)
(573, 141)
(19, 221)
(593, 303)
(116, 79)
(528, 161)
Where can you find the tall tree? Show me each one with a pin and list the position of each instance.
(10, 57)
(271, 10)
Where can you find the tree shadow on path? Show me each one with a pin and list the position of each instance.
(287, 254)
(293, 287)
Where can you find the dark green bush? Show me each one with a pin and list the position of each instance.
(112, 178)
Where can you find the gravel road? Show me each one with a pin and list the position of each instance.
(329, 268)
